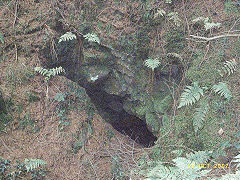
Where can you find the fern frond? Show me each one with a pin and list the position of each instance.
(189, 169)
(92, 38)
(211, 25)
(1, 38)
(41, 70)
(67, 36)
(178, 152)
(56, 71)
(31, 164)
(200, 115)
(48, 73)
(160, 12)
(175, 18)
(162, 172)
(152, 63)
(237, 160)
(191, 95)
(185, 168)
(207, 25)
(229, 67)
(200, 19)
(222, 89)
(199, 157)
(168, 1)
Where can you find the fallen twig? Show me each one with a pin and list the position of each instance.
(6, 146)
(215, 37)
(15, 14)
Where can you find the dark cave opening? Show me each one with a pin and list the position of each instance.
(110, 108)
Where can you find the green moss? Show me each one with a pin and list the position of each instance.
(152, 121)
(162, 105)
(236, 48)
(5, 120)
(203, 71)
(218, 117)
(175, 41)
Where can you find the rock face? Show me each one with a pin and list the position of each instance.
(103, 69)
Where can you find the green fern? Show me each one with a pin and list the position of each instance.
(168, 1)
(49, 73)
(178, 152)
(1, 38)
(152, 63)
(199, 157)
(237, 160)
(229, 67)
(67, 36)
(31, 164)
(222, 89)
(200, 19)
(162, 172)
(208, 25)
(175, 18)
(211, 25)
(200, 115)
(185, 168)
(191, 95)
(159, 13)
(92, 38)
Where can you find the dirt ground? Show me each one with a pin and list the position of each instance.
(106, 153)
(96, 160)
(93, 161)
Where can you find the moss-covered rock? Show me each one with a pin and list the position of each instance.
(204, 72)
(94, 73)
(153, 122)
(162, 105)
(116, 84)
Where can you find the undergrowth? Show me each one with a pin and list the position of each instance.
(28, 169)
(199, 113)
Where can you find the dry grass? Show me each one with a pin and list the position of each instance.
(93, 161)
(25, 25)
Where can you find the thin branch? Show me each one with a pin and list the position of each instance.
(233, 25)
(16, 52)
(15, 15)
(6, 146)
(205, 56)
(215, 37)
(185, 16)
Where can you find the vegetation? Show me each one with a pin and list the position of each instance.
(60, 59)
(152, 64)
(31, 169)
